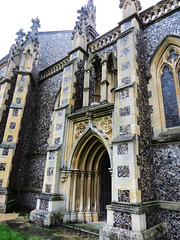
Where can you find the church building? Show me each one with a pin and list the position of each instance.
(90, 125)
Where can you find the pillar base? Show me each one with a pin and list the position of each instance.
(73, 217)
(45, 218)
(108, 232)
(80, 217)
(95, 217)
(66, 217)
(88, 217)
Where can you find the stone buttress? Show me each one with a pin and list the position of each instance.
(17, 77)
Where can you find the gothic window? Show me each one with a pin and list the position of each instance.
(165, 88)
(170, 102)
(95, 80)
(112, 76)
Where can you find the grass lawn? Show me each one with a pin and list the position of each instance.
(7, 233)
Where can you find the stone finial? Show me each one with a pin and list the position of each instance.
(91, 9)
(18, 46)
(86, 21)
(32, 36)
(130, 7)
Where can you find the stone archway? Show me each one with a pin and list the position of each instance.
(90, 165)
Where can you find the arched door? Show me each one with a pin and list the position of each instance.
(91, 180)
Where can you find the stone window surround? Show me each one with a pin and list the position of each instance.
(157, 64)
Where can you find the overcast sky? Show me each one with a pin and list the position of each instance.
(54, 15)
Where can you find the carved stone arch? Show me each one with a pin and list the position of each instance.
(160, 69)
(178, 66)
(111, 57)
(93, 57)
(90, 162)
(169, 40)
(84, 137)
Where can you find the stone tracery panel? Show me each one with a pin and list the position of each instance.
(105, 125)
(79, 128)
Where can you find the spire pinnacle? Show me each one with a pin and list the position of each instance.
(86, 23)
(130, 7)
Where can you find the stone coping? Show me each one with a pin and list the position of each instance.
(124, 86)
(24, 72)
(100, 109)
(141, 208)
(7, 145)
(124, 138)
(171, 134)
(15, 105)
(54, 147)
(51, 197)
(5, 79)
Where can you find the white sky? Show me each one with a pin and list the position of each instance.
(54, 15)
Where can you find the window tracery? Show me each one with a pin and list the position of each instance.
(165, 88)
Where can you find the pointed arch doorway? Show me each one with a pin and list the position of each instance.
(91, 180)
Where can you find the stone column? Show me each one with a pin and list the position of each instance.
(88, 215)
(86, 86)
(95, 213)
(104, 82)
(111, 172)
(81, 204)
(73, 213)
(98, 189)
(74, 191)
(95, 190)
(81, 208)
(69, 191)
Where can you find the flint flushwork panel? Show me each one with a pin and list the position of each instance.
(122, 220)
(122, 149)
(123, 171)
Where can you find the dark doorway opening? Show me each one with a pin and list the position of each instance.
(105, 197)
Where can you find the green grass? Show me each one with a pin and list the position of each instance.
(7, 233)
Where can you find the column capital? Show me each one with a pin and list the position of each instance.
(75, 171)
(89, 172)
(96, 173)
